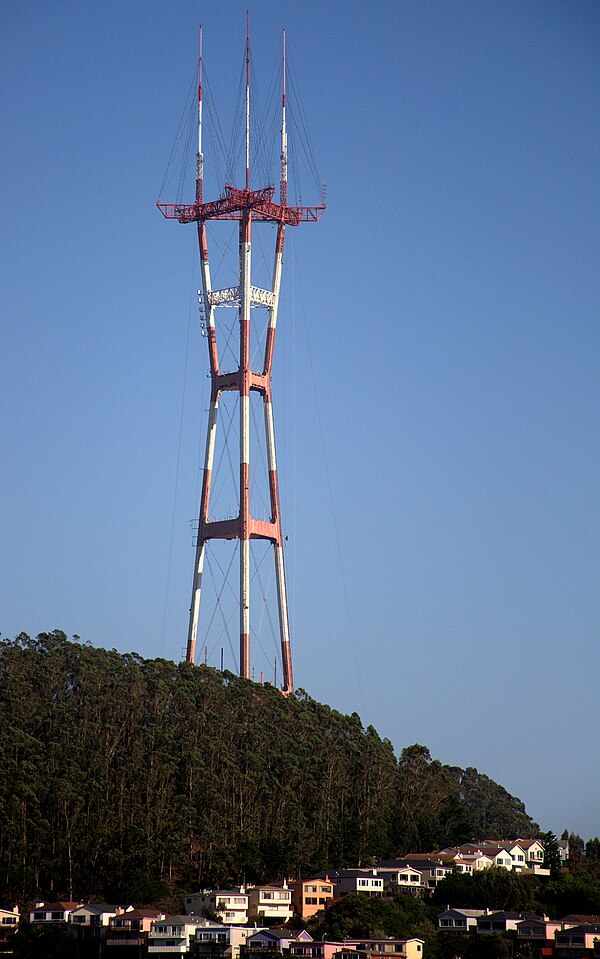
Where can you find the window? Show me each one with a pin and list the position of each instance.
(445, 922)
(326, 888)
(322, 901)
(78, 919)
(9, 921)
(311, 900)
(267, 895)
(362, 882)
(57, 916)
(521, 858)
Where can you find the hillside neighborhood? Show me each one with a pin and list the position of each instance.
(267, 921)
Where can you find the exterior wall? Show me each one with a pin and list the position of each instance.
(311, 895)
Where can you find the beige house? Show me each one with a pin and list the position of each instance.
(270, 902)
(9, 919)
(310, 895)
(96, 914)
(378, 948)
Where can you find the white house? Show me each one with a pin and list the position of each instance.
(216, 940)
(459, 920)
(53, 911)
(230, 905)
(96, 914)
(173, 935)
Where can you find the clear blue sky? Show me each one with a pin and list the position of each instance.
(438, 360)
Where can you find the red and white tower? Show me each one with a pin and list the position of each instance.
(248, 206)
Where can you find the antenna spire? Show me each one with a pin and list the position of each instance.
(284, 162)
(247, 100)
(199, 156)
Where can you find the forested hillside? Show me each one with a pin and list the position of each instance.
(124, 778)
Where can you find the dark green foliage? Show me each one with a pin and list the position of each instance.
(496, 812)
(441, 805)
(489, 888)
(49, 942)
(551, 854)
(579, 894)
(119, 774)
(130, 779)
(475, 947)
(363, 917)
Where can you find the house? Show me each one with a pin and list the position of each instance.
(174, 935)
(578, 941)
(230, 905)
(271, 942)
(310, 895)
(221, 942)
(315, 950)
(53, 911)
(537, 935)
(131, 928)
(404, 876)
(501, 921)
(432, 869)
(376, 948)
(459, 920)
(533, 849)
(270, 902)
(96, 915)
(364, 882)
(9, 920)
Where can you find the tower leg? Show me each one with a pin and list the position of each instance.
(201, 544)
(244, 388)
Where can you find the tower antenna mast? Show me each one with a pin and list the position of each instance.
(247, 207)
(199, 156)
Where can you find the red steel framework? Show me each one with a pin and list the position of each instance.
(246, 206)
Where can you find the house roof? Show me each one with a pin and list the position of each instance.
(505, 914)
(56, 906)
(470, 913)
(140, 914)
(582, 927)
(584, 920)
(98, 908)
(279, 934)
(188, 920)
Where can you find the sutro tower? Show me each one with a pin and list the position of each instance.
(248, 206)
